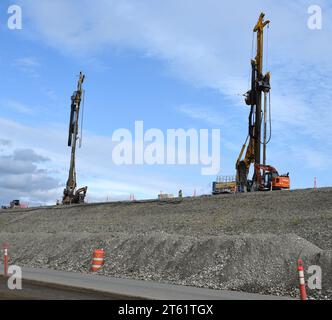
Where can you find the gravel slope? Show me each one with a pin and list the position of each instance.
(247, 242)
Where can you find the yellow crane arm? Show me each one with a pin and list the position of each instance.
(249, 157)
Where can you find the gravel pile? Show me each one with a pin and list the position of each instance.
(247, 242)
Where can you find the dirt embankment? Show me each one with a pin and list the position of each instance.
(244, 242)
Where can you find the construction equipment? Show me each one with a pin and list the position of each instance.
(164, 196)
(260, 85)
(269, 179)
(70, 194)
(224, 185)
(15, 204)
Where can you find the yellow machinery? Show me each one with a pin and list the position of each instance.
(224, 185)
(260, 85)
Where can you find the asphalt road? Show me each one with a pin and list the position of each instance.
(50, 284)
(33, 290)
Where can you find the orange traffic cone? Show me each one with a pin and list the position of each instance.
(98, 260)
(300, 269)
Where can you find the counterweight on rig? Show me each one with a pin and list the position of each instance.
(70, 194)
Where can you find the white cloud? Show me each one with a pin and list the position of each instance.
(28, 65)
(312, 158)
(94, 165)
(4, 142)
(17, 106)
(208, 44)
(21, 176)
(206, 114)
(205, 42)
(27, 62)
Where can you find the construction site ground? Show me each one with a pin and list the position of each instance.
(243, 242)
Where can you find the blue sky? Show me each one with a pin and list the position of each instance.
(175, 64)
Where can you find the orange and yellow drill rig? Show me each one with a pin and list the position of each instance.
(265, 177)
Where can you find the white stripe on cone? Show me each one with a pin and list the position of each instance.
(98, 259)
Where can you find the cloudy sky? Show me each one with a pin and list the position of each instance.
(172, 64)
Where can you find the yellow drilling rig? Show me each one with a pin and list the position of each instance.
(265, 177)
(70, 194)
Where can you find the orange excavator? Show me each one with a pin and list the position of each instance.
(269, 179)
(265, 177)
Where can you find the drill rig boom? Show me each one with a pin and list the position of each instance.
(70, 194)
(259, 84)
(265, 177)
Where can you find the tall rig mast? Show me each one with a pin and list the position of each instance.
(70, 194)
(260, 84)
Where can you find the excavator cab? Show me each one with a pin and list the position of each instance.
(269, 179)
